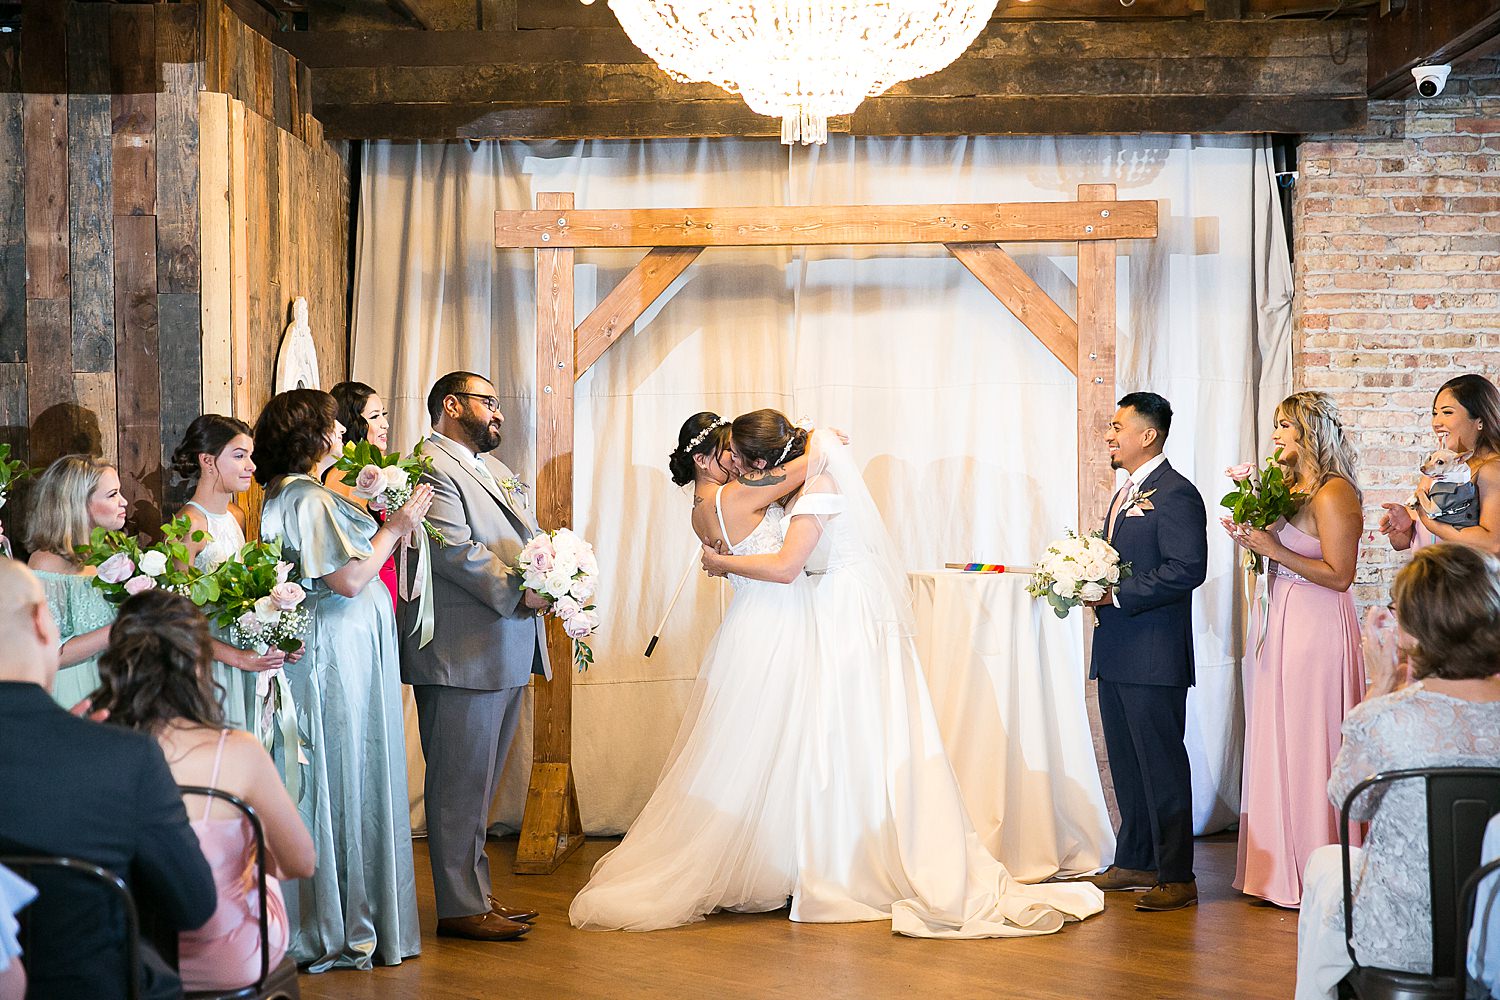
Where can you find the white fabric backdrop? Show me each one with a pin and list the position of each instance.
(964, 424)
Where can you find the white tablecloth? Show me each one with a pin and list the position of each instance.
(1007, 681)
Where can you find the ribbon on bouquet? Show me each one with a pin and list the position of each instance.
(418, 589)
(275, 713)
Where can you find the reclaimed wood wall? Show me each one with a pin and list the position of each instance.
(146, 222)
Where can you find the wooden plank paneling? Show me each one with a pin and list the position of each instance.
(49, 381)
(44, 122)
(12, 231)
(181, 381)
(97, 398)
(44, 63)
(239, 265)
(14, 425)
(138, 366)
(215, 305)
(827, 225)
(133, 80)
(91, 231)
(177, 42)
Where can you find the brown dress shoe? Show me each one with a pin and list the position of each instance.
(1114, 879)
(481, 927)
(1168, 896)
(519, 916)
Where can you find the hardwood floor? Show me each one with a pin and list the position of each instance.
(1224, 947)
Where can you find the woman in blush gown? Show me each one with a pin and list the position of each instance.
(1306, 672)
(882, 831)
(719, 831)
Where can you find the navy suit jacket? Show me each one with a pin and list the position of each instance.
(1148, 639)
(101, 794)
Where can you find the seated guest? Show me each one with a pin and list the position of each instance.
(15, 894)
(156, 678)
(1484, 937)
(102, 794)
(1447, 603)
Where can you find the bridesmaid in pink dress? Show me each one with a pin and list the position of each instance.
(363, 414)
(1305, 671)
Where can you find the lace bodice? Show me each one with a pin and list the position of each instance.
(764, 539)
(224, 542)
(1413, 727)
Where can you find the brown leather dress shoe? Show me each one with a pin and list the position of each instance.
(519, 916)
(1114, 879)
(1168, 896)
(481, 927)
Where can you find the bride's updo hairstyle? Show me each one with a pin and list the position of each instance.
(702, 434)
(768, 435)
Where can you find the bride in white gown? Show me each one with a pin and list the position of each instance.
(863, 807)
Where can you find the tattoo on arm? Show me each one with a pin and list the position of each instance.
(697, 499)
(762, 479)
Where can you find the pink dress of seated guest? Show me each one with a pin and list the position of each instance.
(224, 954)
(1307, 674)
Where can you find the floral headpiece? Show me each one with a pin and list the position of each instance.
(703, 435)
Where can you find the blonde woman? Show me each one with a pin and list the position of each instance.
(74, 496)
(1305, 672)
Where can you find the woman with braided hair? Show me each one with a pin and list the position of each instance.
(1305, 672)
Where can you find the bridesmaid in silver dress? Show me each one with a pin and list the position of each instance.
(360, 907)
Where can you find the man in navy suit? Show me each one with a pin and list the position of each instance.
(1143, 657)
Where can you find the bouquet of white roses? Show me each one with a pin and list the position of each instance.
(1075, 570)
(561, 567)
(384, 481)
(123, 566)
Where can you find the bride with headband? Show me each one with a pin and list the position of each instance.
(866, 817)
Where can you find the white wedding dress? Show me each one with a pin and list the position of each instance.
(809, 763)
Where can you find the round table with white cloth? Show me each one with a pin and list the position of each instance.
(1007, 681)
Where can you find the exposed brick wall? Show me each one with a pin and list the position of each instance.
(1396, 232)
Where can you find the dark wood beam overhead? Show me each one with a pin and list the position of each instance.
(1427, 31)
(414, 11)
(1020, 77)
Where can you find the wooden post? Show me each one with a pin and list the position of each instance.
(551, 829)
(1096, 406)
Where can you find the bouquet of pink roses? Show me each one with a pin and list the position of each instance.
(123, 566)
(561, 567)
(1260, 498)
(384, 481)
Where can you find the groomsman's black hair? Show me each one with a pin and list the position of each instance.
(1156, 410)
(450, 384)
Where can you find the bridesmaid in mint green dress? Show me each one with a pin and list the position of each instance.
(75, 495)
(360, 907)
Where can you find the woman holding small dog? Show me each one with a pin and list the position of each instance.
(1305, 672)
(1466, 419)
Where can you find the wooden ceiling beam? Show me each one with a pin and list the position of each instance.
(1427, 31)
(414, 11)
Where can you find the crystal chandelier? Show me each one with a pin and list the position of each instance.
(803, 61)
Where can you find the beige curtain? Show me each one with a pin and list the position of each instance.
(964, 424)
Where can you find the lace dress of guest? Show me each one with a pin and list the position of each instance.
(224, 954)
(360, 906)
(720, 830)
(1306, 677)
(78, 607)
(225, 539)
(1411, 728)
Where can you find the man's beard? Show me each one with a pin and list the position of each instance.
(482, 437)
(1114, 463)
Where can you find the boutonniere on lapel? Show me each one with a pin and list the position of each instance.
(514, 490)
(1138, 504)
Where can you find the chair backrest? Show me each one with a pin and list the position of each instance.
(54, 873)
(1460, 802)
(259, 833)
(1469, 916)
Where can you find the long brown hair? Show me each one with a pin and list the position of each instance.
(1481, 401)
(156, 667)
(1324, 448)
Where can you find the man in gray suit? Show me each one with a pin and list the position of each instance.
(486, 643)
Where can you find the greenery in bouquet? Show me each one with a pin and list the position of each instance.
(257, 601)
(560, 565)
(384, 481)
(1075, 570)
(124, 566)
(1260, 498)
(11, 469)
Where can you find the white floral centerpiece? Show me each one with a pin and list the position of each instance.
(560, 565)
(1075, 570)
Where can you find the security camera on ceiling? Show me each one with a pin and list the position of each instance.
(1431, 79)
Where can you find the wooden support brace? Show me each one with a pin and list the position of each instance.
(999, 272)
(630, 298)
(550, 828)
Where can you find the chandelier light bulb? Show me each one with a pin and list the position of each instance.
(803, 61)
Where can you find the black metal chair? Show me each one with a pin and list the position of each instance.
(279, 983)
(1460, 802)
(113, 886)
(1471, 890)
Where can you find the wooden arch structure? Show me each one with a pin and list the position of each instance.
(551, 829)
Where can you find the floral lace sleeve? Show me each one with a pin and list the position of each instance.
(1366, 751)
